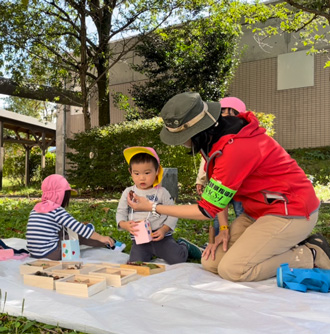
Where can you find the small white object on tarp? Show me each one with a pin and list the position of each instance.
(185, 299)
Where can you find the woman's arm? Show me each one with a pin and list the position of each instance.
(180, 211)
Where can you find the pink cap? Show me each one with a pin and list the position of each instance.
(53, 190)
(234, 103)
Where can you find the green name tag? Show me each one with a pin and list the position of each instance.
(217, 194)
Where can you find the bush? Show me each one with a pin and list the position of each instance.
(14, 166)
(315, 162)
(97, 159)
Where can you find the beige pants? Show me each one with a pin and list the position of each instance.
(257, 248)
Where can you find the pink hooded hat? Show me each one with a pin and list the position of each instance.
(53, 190)
(234, 103)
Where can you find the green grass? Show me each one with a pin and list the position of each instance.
(9, 324)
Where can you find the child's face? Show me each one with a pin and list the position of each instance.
(143, 174)
(228, 112)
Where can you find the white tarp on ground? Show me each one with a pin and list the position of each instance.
(184, 299)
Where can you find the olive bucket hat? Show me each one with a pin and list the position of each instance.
(185, 115)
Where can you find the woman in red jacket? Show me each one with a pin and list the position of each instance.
(244, 163)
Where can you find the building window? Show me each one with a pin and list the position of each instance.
(295, 70)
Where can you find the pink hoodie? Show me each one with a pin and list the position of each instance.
(53, 190)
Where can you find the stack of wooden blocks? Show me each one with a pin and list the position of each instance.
(81, 280)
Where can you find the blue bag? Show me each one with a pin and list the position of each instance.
(303, 279)
(70, 247)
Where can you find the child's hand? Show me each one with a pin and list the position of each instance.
(107, 240)
(104, 239)
(159, 234)
(130, 226)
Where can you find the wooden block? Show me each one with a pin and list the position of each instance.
(39, 281)
(116, 276)
(103, 264)
(37, 265)
(72, 268)
(143, 269)
(80, 285)
(111, 265)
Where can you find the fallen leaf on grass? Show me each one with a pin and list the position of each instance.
(14, 230)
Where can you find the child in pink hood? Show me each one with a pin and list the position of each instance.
(45, 228)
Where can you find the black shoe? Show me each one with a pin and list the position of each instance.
(322, 248)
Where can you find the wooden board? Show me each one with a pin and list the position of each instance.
(144, 270)
(43, 282)
(37, 265)
(116, 276)
(80, 285)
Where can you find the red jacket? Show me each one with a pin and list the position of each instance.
(267, 180)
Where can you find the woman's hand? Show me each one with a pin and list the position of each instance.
(222, 237)
(139, 203)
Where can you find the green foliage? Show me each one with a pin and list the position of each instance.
(20, 325)
(315, 162)
(100, 150)
(14, 166)
(68, 43)
(38, 109)
(122, 102)
(200, 55)
(309, 19)
(267, 122)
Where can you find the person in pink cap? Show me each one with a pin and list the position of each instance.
(147, 173)
(230, 106)
(47, 220)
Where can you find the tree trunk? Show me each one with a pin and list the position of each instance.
(84, 67)
(103, 22)
(104, 98)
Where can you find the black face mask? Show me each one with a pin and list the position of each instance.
(229, 125)
(226, 125)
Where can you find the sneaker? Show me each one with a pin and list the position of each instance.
(194, 252)
(322, 248)
(118, 246)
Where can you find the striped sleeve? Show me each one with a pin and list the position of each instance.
(63, 218)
